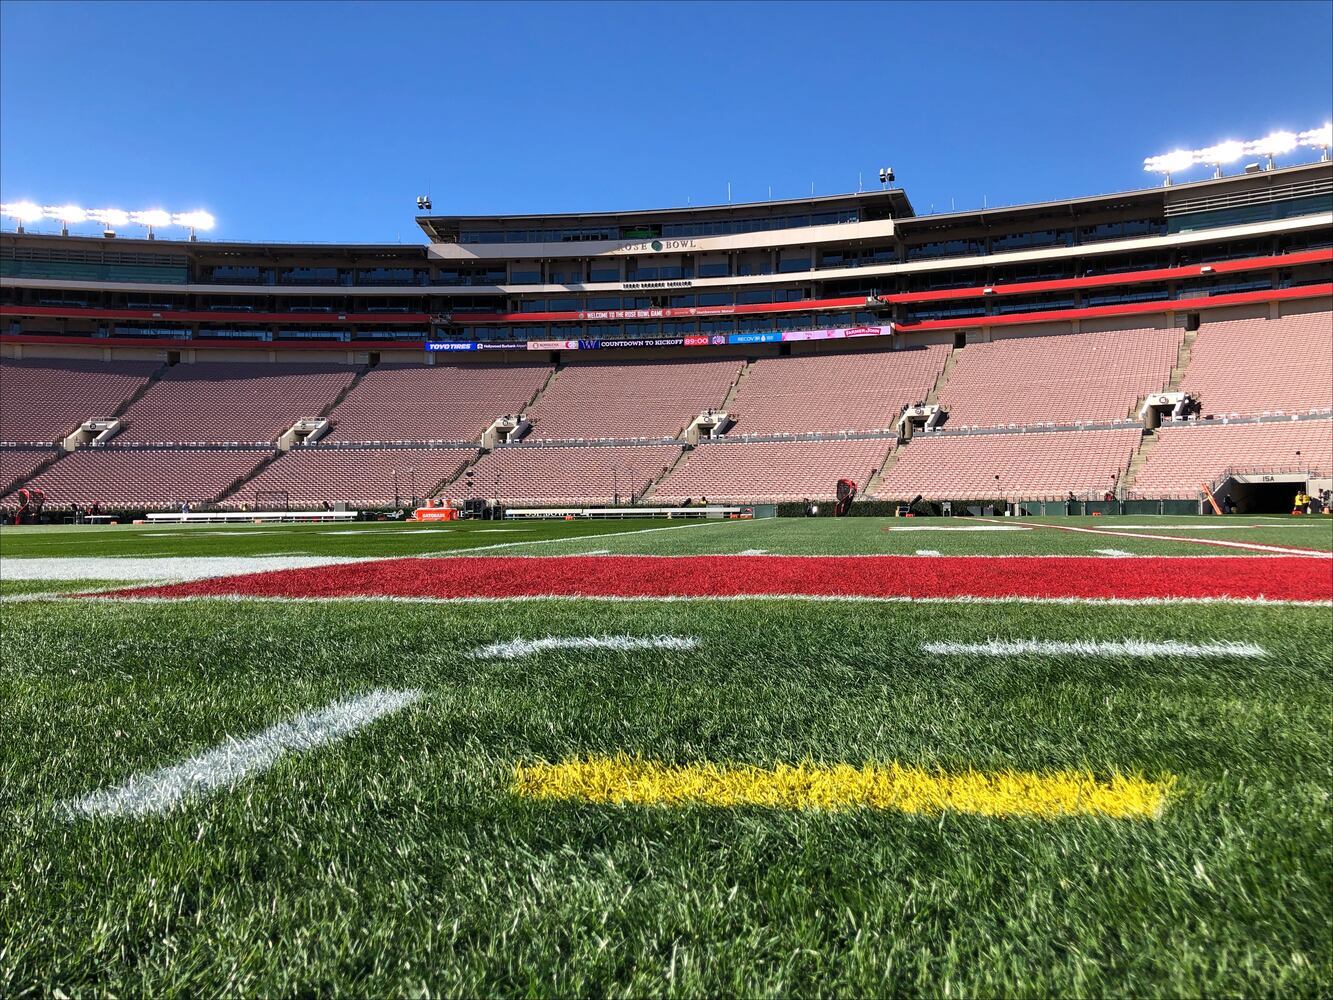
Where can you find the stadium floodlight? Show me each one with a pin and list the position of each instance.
(1222, 153)
(1273, 145)
(21, 212)
(1319, 138)
(110, 218)
(1169, 163)
(65, 215)
(194, 220)
(151, 218)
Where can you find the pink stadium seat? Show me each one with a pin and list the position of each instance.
(560, 475)
(358, 477)
(149, 477)
(636, 400)
(1255, 366)
(831, 393)
(1185, 459)
(224, 403)
(436, 403)
(1063, 379)
(45, 401)
(772, 470)
(18, 464)
(1029, 466)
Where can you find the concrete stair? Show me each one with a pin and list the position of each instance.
(889, 462)
(1139, 457)
(933, 396)
(1182, 360)
(735, 387)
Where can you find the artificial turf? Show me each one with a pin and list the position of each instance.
(400, 861)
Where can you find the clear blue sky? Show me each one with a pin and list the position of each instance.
(322, 121)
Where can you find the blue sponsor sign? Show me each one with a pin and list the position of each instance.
(451, 345)
(754, 338)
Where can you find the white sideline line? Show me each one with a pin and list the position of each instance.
(176, 568)
(1259, 601)
(515, 648)
(1219, 527)
(584, 538)
(927, 552)
(233, 761)
(1118, 553)
(970, 527)
(1249, 546)
(1123, 647)
(753, 552)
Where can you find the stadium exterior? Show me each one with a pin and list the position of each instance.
(773, 277)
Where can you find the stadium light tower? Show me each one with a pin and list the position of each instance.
(153, 218)
(66, 214)
(195, 220)
(1169, 163)
(1221, 154)
(1273, 145)
(110, 218)
(1319, 138)
(21, 212)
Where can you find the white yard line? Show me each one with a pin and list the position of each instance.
(1116, 553)
(753, 552)
(927, 552)
(590, 538)
(229, 763)
(176, 568)
(515, 648)
(1248, 546)
(1123, 647)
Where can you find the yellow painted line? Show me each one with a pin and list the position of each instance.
(624, 780)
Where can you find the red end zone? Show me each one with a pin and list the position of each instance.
(1287, 579)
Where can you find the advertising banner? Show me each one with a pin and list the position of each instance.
(553, 345)
(451, 345)
(754, 338)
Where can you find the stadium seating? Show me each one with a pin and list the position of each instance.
(45, 401)
(560, 474)
(18, 464)
(1184, 459)
(438, 403)
(1029, 466)
(830, 393)
(1256, 366)
(1064, 379)
(623, 401)
(221, 403)
(358, 477)
(151, 478)
(772, 470)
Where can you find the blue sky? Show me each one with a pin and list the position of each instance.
(313, 121)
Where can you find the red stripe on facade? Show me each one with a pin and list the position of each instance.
(1278, 578)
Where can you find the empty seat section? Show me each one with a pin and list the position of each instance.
(45, 401)
(358, 477)
(1255, 366)
(1185, 459)
(156, 478)
(1017, 466)
(437, 403)
(1062, 379)
(533, 476)
(220, 403)
(640, 400)
(828, 393)
(772, 470)
(18, 464)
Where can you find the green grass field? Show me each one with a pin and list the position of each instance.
(399, 860)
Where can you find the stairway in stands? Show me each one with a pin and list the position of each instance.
(657, 480)
(933, 396)
(889, 461)
(1140, 456)
(735, 387)
(1182, 360)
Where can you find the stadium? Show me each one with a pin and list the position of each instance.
(1136, 352)
(823, 595)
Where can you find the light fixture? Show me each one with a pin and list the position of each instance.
(195, 220)
(65, 214)
(886, 175)
(1169, 163)
(1221, 154)
(21, 212)
(150, 219)
(1319, 138)
(1273, 145)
